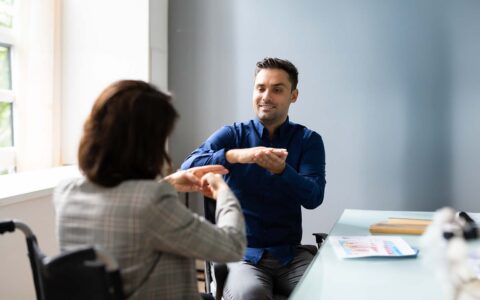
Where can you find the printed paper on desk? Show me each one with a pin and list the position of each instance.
(371, 246)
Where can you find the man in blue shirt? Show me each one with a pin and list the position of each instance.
(276, 167)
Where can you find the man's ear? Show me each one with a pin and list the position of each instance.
(294, 96)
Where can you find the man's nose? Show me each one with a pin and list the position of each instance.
(267, 95)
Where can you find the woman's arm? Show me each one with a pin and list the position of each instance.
(177, 230)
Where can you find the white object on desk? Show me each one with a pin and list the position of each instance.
(454, 262)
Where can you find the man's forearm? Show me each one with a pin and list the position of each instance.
(202, 157)
(268, 158)
(308, 190)
(231, 156)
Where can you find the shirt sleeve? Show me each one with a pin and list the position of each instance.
(212, 152)
(177, 230)
(308, 184)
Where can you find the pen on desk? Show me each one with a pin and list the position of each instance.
(464, 226)
(470, 230)
(466, 217)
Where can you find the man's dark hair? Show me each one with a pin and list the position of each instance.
(125, 134)
(278, 63)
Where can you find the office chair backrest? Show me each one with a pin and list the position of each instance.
(220, 270)
(84, 273)
(209, 206)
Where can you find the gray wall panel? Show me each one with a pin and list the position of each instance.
(392, 86)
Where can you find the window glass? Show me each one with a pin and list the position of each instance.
(6, 16)
(5, 20)
(5, 78)
(6, 134)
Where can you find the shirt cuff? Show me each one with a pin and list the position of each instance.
(219, 158)
(288, 173)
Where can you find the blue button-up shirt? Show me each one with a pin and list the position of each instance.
(271, 203)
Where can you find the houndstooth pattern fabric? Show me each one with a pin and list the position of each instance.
(154, 237)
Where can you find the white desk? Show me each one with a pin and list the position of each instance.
(331, 278)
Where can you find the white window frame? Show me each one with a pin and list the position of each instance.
(7, 154)
(36, 81)
(8, 39)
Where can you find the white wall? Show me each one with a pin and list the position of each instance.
(158, 12)
(465, 90)
(103, 41)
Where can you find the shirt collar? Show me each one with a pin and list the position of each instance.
(280, 131)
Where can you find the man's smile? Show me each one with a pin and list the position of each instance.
(267, 106)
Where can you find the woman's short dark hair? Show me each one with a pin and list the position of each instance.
(282, 64)
(125, 134)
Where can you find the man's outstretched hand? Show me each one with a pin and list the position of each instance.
(272, 160)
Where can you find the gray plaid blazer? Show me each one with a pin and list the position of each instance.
(154, 237)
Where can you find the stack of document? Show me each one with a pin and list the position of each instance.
(371, 246)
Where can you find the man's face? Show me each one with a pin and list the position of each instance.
(272, 95)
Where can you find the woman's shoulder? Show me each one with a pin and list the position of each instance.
(69, 183)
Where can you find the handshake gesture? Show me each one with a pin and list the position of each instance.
(206, 179)
(272, 159)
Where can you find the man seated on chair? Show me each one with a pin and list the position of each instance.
(276, 167)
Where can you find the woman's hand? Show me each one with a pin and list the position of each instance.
(200, 171)
(212, 184)
(190, 180)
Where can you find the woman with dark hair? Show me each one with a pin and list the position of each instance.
(125, 206)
